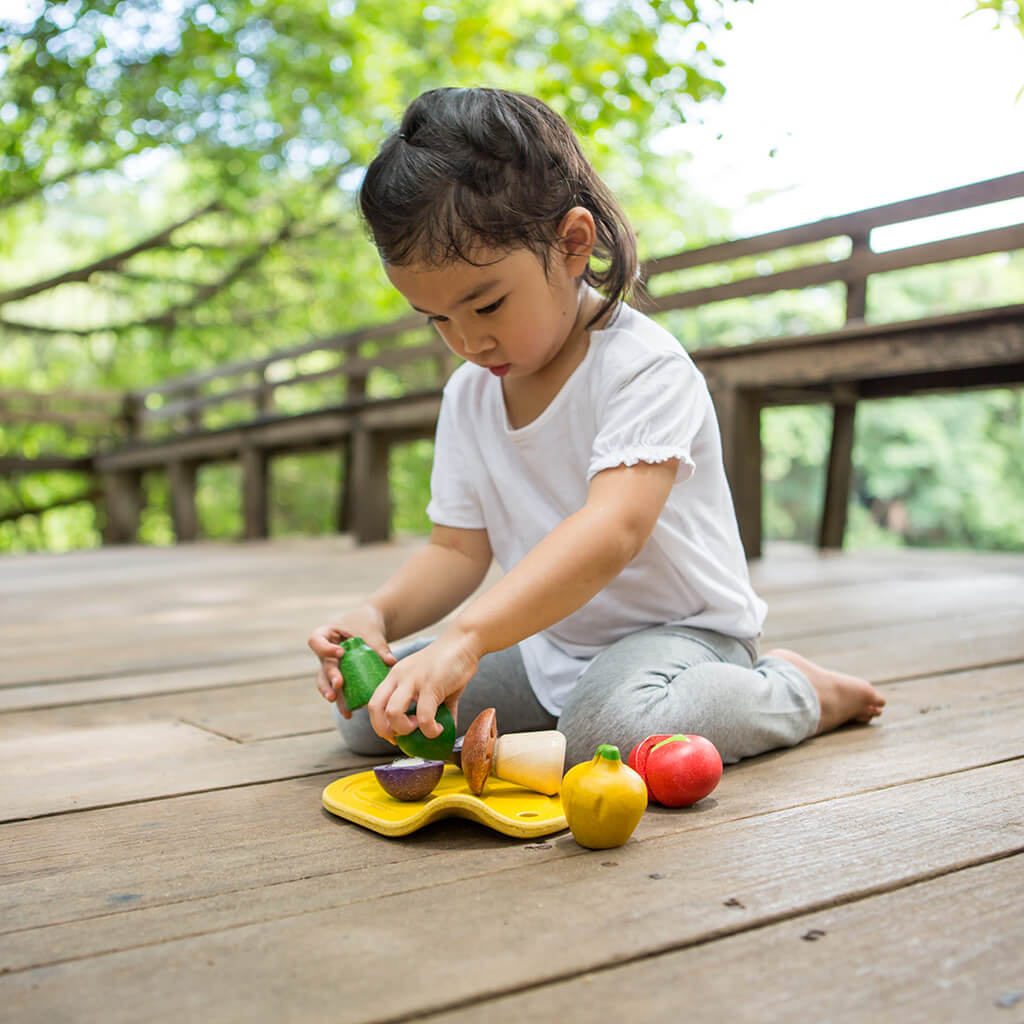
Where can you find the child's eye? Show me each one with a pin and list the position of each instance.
(437, 319)
(492, 308)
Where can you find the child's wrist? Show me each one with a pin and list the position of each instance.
(464, 635)
(374, 617)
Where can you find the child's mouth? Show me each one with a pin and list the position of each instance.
(500, 371)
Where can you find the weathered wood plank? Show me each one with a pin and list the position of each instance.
(59, 771)
(656, 896)
(907, 650)
(172, 650)
(942, 963)
(190, 695)
(233, 672)
(62, 875)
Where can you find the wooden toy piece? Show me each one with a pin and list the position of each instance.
(417, 744)
(409, 778)
(535, 760)
(506, 808)
(478, 749)
(603, 800)
(362, 670)
(679, 770)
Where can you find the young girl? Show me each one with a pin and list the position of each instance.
(578, 446)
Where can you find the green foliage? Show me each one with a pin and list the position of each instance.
(409, 469)
(941, 471)
(248, 124)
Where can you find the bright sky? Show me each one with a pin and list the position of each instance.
(864, 102)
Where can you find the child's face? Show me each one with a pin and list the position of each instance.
(507, 315)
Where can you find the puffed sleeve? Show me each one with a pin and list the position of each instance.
(651, 413)
(453, 498)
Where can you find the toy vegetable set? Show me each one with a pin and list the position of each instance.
(513, 783)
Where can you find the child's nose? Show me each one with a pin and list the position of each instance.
(476, 341)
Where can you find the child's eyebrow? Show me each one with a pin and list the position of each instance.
(473, 293)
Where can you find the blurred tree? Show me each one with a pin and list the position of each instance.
(177, 180)
(185, 158)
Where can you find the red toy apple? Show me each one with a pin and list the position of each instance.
(679, 770)
(638, 758)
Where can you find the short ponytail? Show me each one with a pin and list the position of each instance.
(485, 168)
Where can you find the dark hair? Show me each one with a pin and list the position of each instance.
(485, 167)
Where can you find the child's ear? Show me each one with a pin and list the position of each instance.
(577, 235)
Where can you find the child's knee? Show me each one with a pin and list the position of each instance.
(587, 727)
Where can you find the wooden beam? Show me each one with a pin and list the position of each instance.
(979, 193)
(839, 468)
(254, 492)
(838, 475)
(342, 341)
(369, 503)
(181, 476)
(858, 266)
(13, 465)
(739, 418)
(858, 355)
(123, 500)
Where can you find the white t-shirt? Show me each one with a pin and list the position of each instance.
(636, 397)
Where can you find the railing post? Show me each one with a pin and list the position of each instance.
(194, 412)
(181, 475)
(354, 391)
(265, 400)
(254, 492)
(122, 496)
(369, 494)
(132, 406)
(839, 471)
(739, 418)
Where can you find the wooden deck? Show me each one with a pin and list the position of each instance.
(165, 857)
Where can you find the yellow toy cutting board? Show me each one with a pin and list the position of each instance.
(503, 806)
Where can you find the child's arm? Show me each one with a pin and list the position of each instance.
(436, 579)
(564, 571)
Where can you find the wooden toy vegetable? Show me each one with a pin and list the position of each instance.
(409, 778)
(416, 744)
(535, 760)
(478, 750)
(678, 770)
(362, 670)
(603, 799)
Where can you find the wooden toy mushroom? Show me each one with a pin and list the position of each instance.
(478, 749)
(532, 759)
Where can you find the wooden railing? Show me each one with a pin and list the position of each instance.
(375, 386)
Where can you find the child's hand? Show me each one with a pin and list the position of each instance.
(324, 640)
(433, 676)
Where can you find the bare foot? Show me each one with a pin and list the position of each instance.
(843, 698)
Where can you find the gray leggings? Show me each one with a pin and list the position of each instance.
(668, 679)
